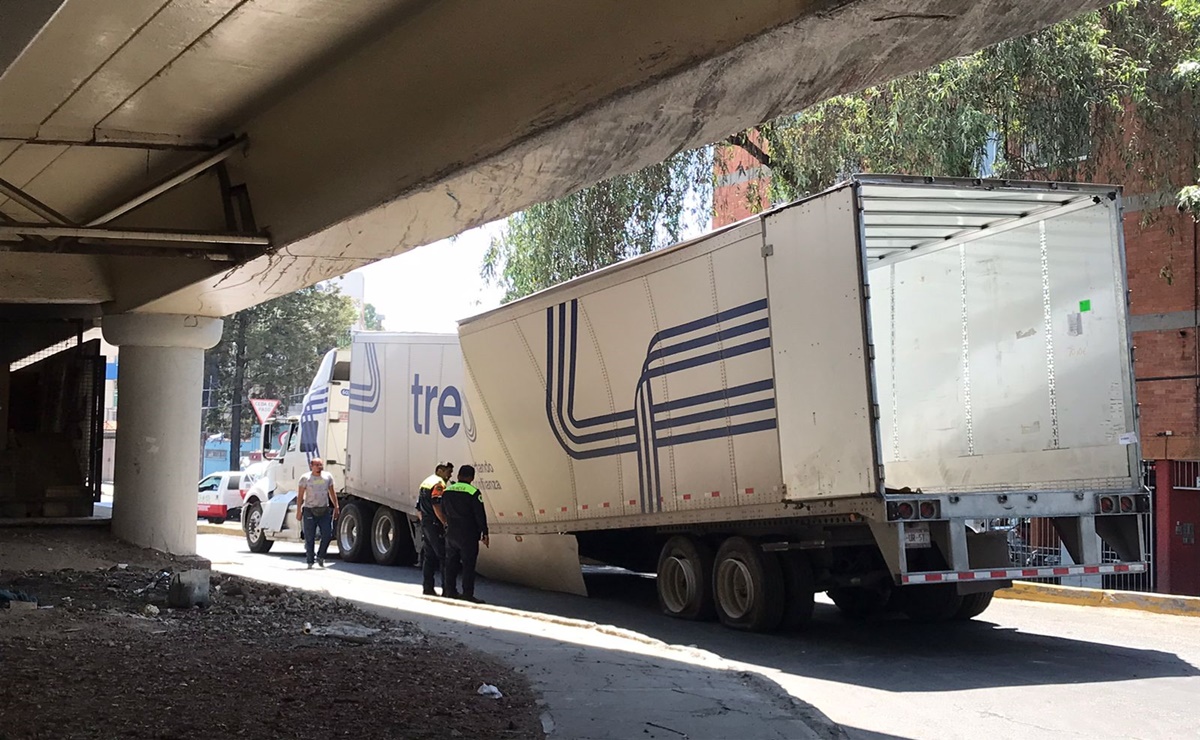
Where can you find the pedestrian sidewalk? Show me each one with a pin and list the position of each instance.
(597, 682)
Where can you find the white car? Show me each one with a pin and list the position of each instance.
(220, 495)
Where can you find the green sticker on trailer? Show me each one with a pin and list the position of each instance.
(1085, 306)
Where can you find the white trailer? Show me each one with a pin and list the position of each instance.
(382, 423)
(830, 396)
(406, 414)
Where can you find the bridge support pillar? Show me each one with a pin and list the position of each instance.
(158, 426)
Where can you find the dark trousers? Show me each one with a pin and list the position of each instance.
(460, 557)
(433, 555)
(313, 522)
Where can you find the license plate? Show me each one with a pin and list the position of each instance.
(916, 535)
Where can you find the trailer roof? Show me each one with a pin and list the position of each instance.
(903, 217)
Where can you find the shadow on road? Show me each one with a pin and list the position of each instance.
(890, 654)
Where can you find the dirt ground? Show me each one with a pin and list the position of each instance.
(101, 658)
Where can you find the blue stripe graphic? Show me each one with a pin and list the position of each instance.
(365, 396)
(640, 429)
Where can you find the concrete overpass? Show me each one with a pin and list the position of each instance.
(167, 162)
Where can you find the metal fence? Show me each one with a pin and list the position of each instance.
(1034, 542)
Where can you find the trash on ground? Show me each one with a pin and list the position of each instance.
(163, 577)
(490, 691)
(343, 630)
(150, 610)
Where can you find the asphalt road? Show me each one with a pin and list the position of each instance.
(1022, 670)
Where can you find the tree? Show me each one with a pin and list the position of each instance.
(272, 351)
(1187, 15)
(372, 319)
(597, 226)
(1108, 90)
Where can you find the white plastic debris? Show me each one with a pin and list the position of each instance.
(343, 630)
(150, 610)
(490, 691)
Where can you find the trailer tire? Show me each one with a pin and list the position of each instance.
(935, 603)
(354, 533)
(391, 538)
(748, 586)
(256, 539)
(798, 590)
(385, 536)
(974, 604)
(684, 581)
(856, 602)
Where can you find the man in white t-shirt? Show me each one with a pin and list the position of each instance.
(316, 507)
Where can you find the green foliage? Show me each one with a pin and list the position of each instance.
(1108, 94)
(1189, 200)
(372, 319)
(618, 218)
(285, 341)
(1041, 104)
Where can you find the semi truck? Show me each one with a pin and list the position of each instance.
(834, 395)
(837, 395)
(288, 444)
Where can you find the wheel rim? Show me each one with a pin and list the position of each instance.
(385, 534)
(254, 523)
(735, 588)
(678, 583)
(348, 533)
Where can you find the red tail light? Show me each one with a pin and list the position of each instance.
(905, 510)
(1126, 504)
(1107, 504)
(928, 510)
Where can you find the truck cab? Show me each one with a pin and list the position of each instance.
(289, 444)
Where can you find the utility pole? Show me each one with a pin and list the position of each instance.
(239, 394)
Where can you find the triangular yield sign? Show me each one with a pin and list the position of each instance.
(264, 407)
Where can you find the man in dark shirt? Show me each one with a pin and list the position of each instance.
(466, 527)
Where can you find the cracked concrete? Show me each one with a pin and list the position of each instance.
(833, 47)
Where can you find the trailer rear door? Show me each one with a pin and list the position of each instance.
(826, 419)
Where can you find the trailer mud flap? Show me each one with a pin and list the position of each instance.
(546, 561)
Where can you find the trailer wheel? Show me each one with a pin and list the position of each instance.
(856, 602)
(798, 590)
(255, 537)
(748, 586)
(935, 603)
(391, 538)
(354, 533)
(974, 604)
(385, 536)
(684, 579)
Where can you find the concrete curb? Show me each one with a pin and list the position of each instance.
(1179, 606)
(235, 531)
